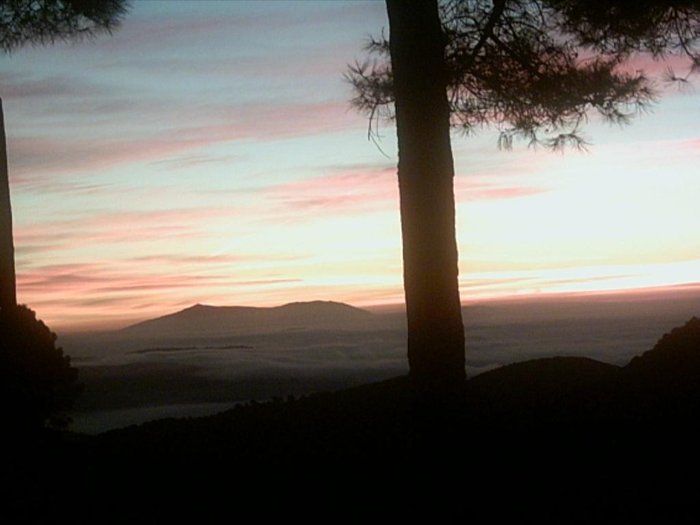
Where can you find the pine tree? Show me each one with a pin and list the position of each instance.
(534, 70)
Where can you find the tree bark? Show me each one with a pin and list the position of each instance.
(8, 294)
(426, 189)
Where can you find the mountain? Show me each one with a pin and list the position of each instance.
(677, 352)
(672, 367)
(202, 319)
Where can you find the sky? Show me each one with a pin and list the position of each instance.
(206, 152)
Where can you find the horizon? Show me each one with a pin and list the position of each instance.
(181, 160)
(665, 293)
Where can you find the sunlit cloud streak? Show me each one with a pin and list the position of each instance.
(366, 189)
(33, 157)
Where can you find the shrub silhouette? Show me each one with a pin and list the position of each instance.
(37, 382)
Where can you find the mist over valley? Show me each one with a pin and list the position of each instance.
(204, 359)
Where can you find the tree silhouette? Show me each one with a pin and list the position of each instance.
(533, 69)
(37, 379)
(37, 382)
(39, 22)
(8, 294)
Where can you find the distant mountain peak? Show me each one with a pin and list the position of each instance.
(196, 306)
(320, 304)
(317, 301)
(199, 306)
(203, 319)
(679, 349)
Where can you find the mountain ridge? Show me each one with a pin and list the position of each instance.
(207, 319)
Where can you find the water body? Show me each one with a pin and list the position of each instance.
(130, 381)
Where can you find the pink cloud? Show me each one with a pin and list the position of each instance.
(366, 189)
(269, 121)
(139, 274)
(173, 259)
(681, 147)
(92, 235)
(85, 281)
(125, 228)
(488, 192)
(116, 289)
(352, 191)
(32, 158)
(657, 68)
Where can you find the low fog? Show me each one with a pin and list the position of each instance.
(132, 376)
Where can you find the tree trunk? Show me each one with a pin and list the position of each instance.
(8, 294)
(426, 188)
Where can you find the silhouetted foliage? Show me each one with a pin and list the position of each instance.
(658, 27)
(40, 22)
(37, 382)
(535, 68)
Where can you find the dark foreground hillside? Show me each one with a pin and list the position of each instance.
(560, 440)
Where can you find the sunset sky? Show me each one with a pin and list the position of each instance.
(207, 152)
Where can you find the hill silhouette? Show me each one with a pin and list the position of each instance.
(555, 440)
(675, 359)
(202, 319)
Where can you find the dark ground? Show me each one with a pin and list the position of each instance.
(559, 440)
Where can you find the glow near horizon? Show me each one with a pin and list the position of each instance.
(207, 153)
